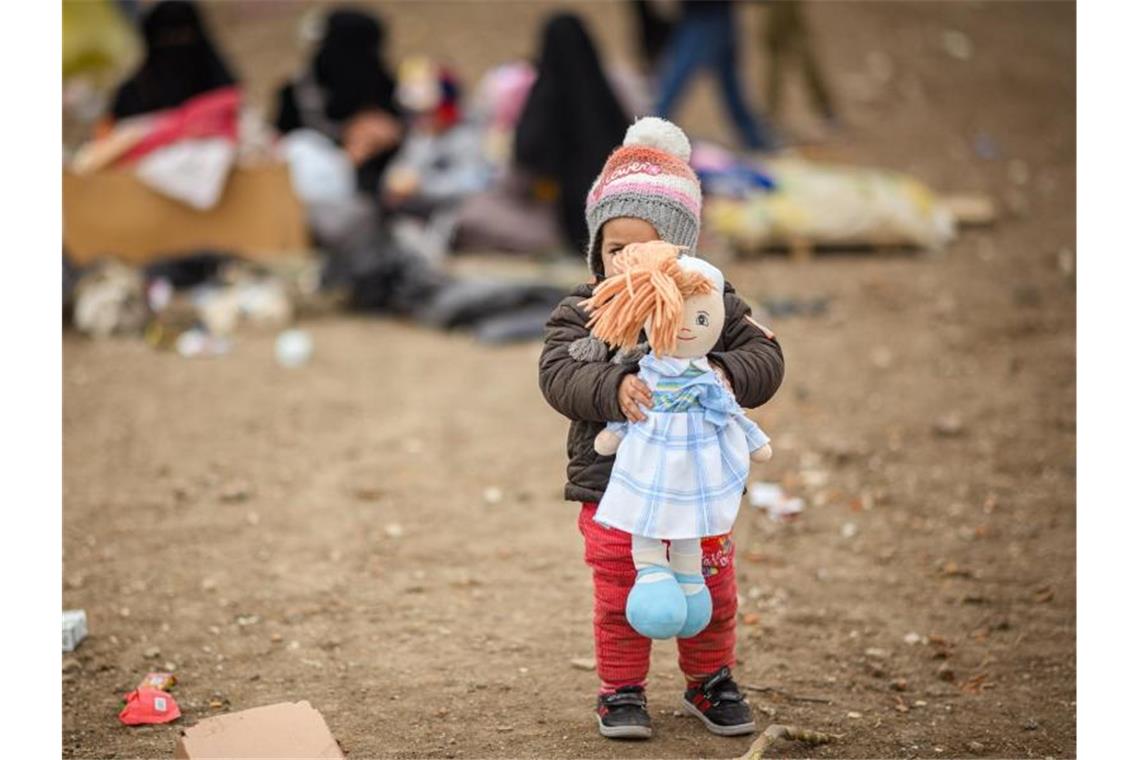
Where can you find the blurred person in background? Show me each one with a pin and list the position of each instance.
(787, 38)
(348, 95)
(181, 61)
(571, 121)
(705, 38)
(441, 160)
(440, 163)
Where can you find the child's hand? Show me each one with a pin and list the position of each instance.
(633, 393)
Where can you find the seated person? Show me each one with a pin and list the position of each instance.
(181, 62)
(348, 94)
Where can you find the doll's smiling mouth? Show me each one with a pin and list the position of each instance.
(682, 337)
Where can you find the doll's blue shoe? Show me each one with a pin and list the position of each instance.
(656, 605)
(698, 605)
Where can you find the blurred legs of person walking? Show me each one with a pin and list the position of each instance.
(706, 38)
(789, 45)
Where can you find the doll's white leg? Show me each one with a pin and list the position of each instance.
(648, 551)
(685, 561)
(685, 556)
(655, 606)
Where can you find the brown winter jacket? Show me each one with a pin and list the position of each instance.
(587, 391)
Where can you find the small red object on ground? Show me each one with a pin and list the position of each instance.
(149, 706)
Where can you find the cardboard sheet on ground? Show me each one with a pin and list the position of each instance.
(112, 213)
(288, 729)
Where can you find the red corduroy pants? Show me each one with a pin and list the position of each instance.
(622, 653)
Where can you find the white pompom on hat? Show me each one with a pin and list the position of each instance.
(655, 132)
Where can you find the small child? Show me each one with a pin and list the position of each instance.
(647, 191)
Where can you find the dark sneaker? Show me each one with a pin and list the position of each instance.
(623, 714)
(719, 703)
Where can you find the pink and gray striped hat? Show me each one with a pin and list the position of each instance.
(648, 178)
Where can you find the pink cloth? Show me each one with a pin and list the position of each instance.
(650, 189)
(211, 114)
(145, 705)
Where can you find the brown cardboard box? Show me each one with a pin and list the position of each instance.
(285, 730)
(112, 213)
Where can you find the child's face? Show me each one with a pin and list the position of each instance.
(619, 232)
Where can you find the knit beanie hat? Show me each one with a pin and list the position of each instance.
(648, 178)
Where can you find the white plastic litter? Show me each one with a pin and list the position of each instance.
(191, 171)
(293, 348)
(261, 303)
(772, 498)
(74, 629)
(199, 343)
(109, 300)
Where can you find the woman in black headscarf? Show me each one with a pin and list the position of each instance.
(571, 121)
(181, 62)
(348, 95)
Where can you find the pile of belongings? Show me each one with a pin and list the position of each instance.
(785, 202)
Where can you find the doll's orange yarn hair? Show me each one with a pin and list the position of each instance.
(648, 284)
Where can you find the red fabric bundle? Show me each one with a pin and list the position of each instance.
(149, 706)
(211, 114)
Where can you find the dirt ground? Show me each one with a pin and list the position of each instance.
(381, 532)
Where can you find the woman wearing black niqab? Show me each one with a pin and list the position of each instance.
(571, 121)
(348, 76)
(181, 61)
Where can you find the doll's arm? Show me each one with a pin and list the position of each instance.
(762, 454)
(583, 391)
(759, 444)
(749, 355)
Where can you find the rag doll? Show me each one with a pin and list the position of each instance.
(678, 475)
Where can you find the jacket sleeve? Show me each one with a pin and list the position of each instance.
(750, 356)
(582, 391)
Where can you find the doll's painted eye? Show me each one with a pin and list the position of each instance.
(703, 320)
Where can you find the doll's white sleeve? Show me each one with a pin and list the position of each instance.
(752, 432)
(621, 428)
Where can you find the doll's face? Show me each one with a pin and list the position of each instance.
(700, 326)
(700, 329)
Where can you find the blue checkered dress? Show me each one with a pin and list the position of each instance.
(680, 473)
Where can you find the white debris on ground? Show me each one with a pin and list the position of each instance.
(772, 498)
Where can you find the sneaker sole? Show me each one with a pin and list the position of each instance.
(738, 730)
(623, 732)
